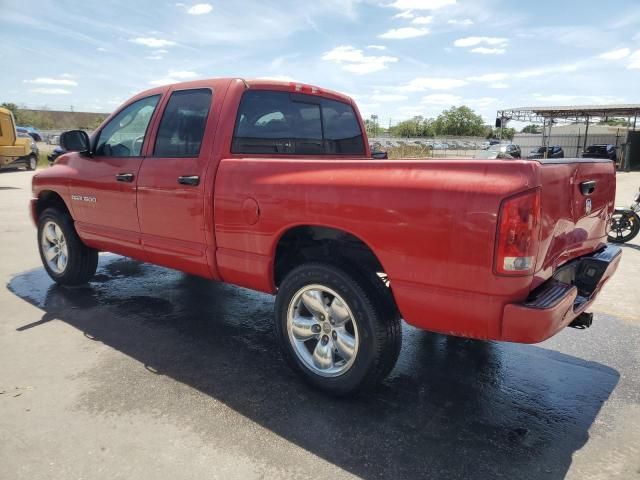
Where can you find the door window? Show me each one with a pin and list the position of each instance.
(124, 135)
(183, 124)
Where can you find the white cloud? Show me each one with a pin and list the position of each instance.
(560, 99)
(615, 54)
(405, 14)
(174, 76)
(277, 78)
(442, 99)
(67, 75)
(355, 61)
(152, 42)
(473, 41)
(534, 72)
(481, 102)
(404, 32)
(488, 51)
(634, 62)
(432, 83)
(376, 47)
(200, 9)
(51, 91)
(464, 22)
(53, 81)
(154, 57)
(499, 85)
(421, 4)
(488, 77)
(389, 97)
(422, 20)
(101, 49)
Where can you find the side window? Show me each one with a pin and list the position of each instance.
(341, 128)
(183, 124)
(124, 135)
(292, 123)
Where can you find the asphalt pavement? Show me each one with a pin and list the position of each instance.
(149, 373)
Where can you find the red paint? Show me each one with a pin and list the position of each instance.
(431, 223)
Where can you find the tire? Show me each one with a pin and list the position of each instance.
(373, 327)
(32, 162)
(56, 230)
(625, 226)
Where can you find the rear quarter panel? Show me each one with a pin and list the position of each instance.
(432, 225)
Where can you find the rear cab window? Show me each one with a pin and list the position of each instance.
(275, 122)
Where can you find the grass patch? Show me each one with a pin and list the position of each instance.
(42, 160)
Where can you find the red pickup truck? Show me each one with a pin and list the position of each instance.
(271, 186)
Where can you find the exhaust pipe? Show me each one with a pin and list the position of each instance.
(582, 321)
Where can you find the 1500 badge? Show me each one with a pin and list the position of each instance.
(84, 198)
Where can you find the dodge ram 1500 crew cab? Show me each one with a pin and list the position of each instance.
(271, 186)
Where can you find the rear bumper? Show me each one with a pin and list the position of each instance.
(554, 304)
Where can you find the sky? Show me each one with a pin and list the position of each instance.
(397, 58)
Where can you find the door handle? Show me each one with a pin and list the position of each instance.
(587, 188)
(193, 180)
(125, 177)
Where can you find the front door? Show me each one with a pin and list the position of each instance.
(171, 187)
(103, 189)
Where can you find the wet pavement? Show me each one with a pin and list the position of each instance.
(150, 373)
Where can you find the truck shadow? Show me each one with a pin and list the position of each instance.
(452, 408)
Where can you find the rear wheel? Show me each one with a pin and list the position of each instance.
(624, 227)
(337, 328)
(66, 259)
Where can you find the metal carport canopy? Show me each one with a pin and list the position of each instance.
(570, 113)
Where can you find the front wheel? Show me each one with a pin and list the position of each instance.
(66, 259)
(624, 227)
(338, 329)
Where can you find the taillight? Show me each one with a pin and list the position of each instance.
(518, 229)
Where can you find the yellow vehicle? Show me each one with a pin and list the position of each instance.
(15, 150)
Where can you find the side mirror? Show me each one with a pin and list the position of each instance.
(75, 141)
(379, 155)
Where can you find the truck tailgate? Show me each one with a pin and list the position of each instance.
(577, 202)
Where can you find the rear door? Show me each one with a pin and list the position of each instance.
(171, 187)
(103, 188)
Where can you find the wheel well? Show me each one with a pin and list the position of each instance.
(49, 199)
(312, 243)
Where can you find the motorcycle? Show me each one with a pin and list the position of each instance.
(625, 222)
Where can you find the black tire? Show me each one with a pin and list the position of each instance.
(623, 221)
(32, 162)
(82, 261)
(374, 312)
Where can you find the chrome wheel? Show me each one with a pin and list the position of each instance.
(54, 247)
(322, 331)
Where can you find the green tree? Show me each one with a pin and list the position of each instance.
(12, 107)
(532, 129)
(615, 122)
(507, 133)
(461, 121)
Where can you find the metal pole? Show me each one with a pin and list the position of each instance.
(578, 143)
(586, 134)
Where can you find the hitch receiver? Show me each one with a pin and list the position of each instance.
(582, 321)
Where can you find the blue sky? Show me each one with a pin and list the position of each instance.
(397, 58)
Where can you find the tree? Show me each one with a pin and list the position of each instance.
(615, 122)
(532, 129)
(12, 107)
(507, 133)
(460, 121)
